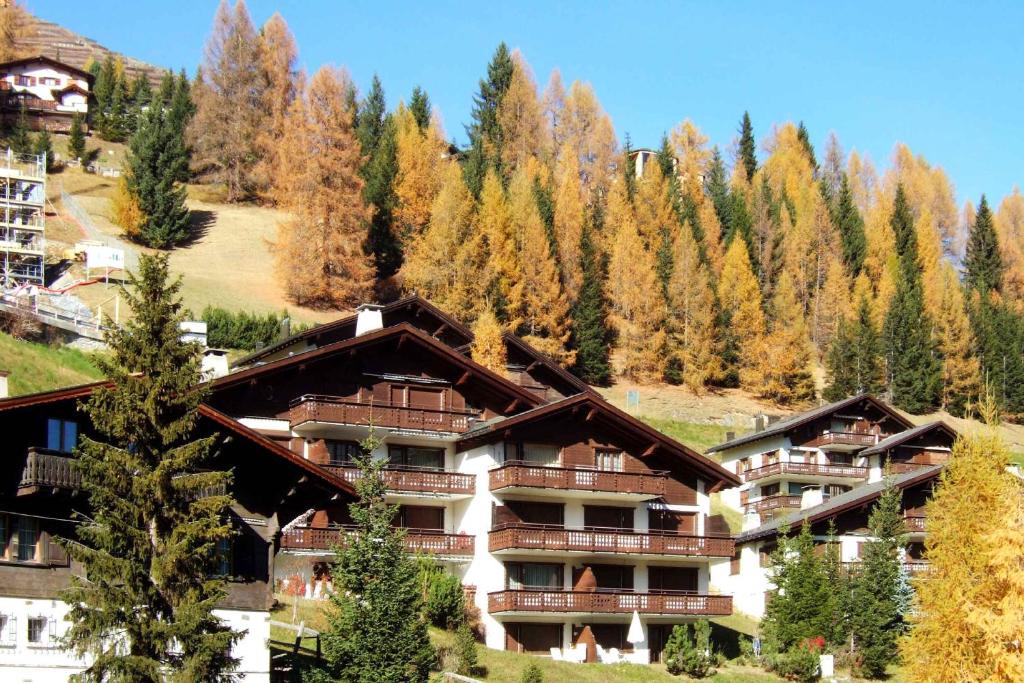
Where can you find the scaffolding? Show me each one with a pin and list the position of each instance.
(22, 218)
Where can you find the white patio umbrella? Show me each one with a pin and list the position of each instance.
(636, 630)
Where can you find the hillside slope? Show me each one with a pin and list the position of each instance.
(37, 367)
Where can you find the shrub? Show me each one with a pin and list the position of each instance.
(246, 331)
(444, 603)
(465, 647)
(799, 664)
(532, 674)
(690, 655)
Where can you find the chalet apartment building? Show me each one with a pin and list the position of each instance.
(51, 92)
(825, 465)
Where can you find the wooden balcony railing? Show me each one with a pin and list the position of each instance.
(806, 469)
(520, 474)
(416, 540)
(609, 602)
(903, 467)
(910, 566)
(773, 503)
(915, 522)
(48, 468)
(315, 408)
(556, 538)
(419, 480)
(843, 439)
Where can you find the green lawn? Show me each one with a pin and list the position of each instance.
(699, 437)
(38, 367)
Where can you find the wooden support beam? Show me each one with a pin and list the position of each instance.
(590, 415)
(464, 378)
(444, 326)
(533, 366)
(401, 343)
(650, 450)
(719, 485)
(512, 406)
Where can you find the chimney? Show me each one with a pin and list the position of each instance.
(369, 319)
(729, 436)
(214, 364)
(812, 496)
(4, 391)
(759, 423)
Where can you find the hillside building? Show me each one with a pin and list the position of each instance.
(22, 219)
(50, 91)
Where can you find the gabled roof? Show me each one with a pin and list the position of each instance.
(800, 419)
(403, 331)
(549, 363)
(908, 435)
(851, 500)
(413, 300)
(86, 390)
(494, 429)
(48, 60)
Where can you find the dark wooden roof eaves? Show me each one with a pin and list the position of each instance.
(491, 429)
(80, 391)
(548, 362)
(801, 419)
(52, 62)
(850, 500)
(325, 477)
(402, 329)
(906, 435)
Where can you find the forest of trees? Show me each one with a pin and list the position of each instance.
(745, 266)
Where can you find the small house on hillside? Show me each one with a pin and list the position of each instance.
(51, 92)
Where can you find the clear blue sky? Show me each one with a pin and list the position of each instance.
(945, 78)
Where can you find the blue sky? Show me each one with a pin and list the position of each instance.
(943, 77)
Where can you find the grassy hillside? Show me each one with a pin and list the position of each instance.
(37, 367)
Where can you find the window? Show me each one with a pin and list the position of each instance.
(3, 537)
(533, 576)
(796, 488)
(601, 517)
(672, 579)
(608, 460)
(342, 452)
(8, 629)
(416, 456)
(539, 453)
(743, 465)
(420, 517)
(771, 458)
(537, 513)
(672, 521)
(38, 630)
(532, 637)
(765, 554)
(222, 557)
(61, 435)
(770, 490)
(613, 577)
(834, 490)
(611, 635)
(840, 459)
(28, 538)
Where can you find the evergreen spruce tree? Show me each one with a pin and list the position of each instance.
(182, 109)
(748, 148)
(153, 167)
(21, 141)
(850, 225)
(143, 608)
(485, 132)
(629, 168)
(805, 140)
(105, 76)
(795, 612)
(43, 145)
(591, 336)
(983, 262)
(875, 619)
(717, 187)
(166, 89)
(546, 207)
(116, 119)
(376, 131)
(914, 369)
(999, 331)
(140, 95)
(419, 105)
(854, 361)
(376, 631)
(76, 137)
(838, 606)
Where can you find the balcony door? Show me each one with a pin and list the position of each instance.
(662, 579)
(420, 517)
(670, 521)
(606, 517)
(533, 576)
(416, 457)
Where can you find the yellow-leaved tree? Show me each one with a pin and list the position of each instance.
(494, 221)
(740, 298)
(570, 215)
(1009, 221)
(419, 155)
(694, 337)
(969, 613)
(637, 307)
(784, 374)
(520, 118)
(961, 370)
(488, 347)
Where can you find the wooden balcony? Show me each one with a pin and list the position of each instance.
(306, 538)
(516, 474)
(915, 523)
(806, 469)
(609, 602)
(335, 410)
(913, 567)
(48, 469)
(843, 440)
(775, 502)
(415, 480)
(559, 539)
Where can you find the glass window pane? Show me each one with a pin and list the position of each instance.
(542, 454)
(28, 535)
(53, 434)
(70, 436)
(426, 457)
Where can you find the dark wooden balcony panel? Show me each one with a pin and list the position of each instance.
(859, 439)
(546, 537)
(806, 469)
(773, 503)
(315, 408)
(48, 469)
(603, 602)
(416, 540)
(414, 480)
(519, 474)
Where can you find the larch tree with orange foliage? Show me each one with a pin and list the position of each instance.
(494, 222)
(520, 118)
(588, 132)
(740, 298)
(961, 369)
(637, 306)
(320, 248)
(420, 158)
(694, 337)
(13, 25)
(570, 216)
(488, 346)
(784, 371)
(278, 56)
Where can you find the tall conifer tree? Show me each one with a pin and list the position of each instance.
(590, 333)
(854, 364)
(147, 547)
(377, 138)
(851, 228)
(484, 132)
(748, 147)
(983, 262)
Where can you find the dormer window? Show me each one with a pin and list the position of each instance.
(61, 435)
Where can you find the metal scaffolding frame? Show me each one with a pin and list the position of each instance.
(22, 219)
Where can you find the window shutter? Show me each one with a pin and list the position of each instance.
(53, 629)
(12, 628)
(56, 556)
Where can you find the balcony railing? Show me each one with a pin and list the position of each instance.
(420, 480)
(556, 538)
(609, 602)
(520, 474)
(49, 469)
(910, 566)
(806, 469)
(773, 503)
(416, 540)
(843, 439)
(915, 523)
(315, 408)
